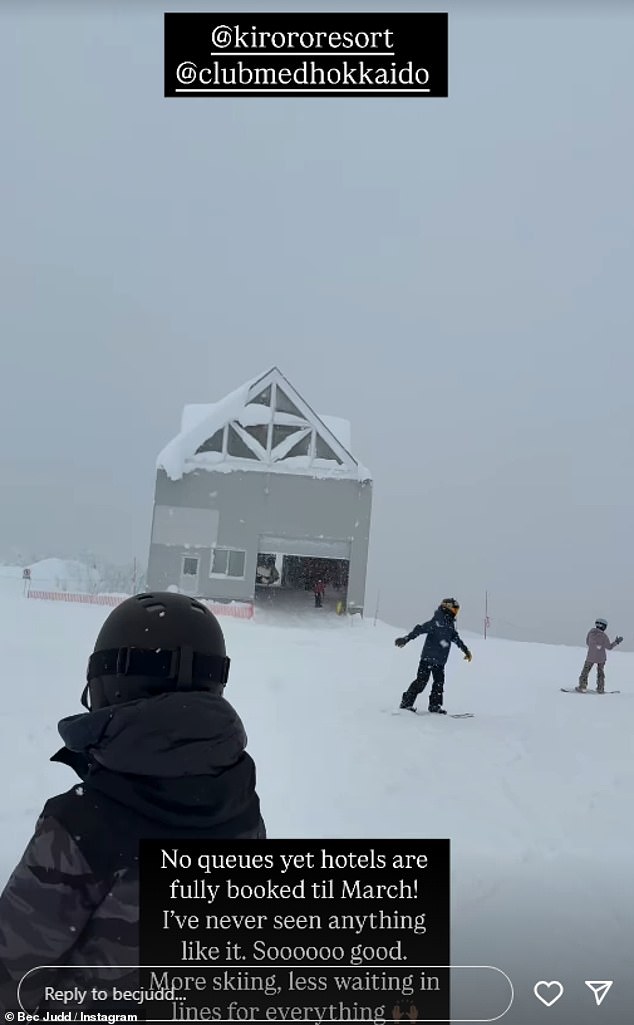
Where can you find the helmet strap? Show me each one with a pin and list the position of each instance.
(185, 659)
(183, 666)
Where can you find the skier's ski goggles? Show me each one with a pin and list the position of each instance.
(452, 606)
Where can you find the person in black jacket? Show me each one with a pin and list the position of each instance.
(441, 634)
(160, 753)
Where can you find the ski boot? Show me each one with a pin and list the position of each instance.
(438, 710)
(406, 703)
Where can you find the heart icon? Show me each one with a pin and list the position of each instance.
(548, 992)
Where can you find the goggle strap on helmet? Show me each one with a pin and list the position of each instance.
(184, 666)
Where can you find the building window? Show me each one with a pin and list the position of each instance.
(227, 562)
(284, 405)
(213, 444)
(281, 432)
(324, 451)
(237, 447)
(264, 398)
(259, 432)
(301, 448)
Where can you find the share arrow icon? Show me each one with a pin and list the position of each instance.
(600, 990)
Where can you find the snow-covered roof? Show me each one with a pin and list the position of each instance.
(193, 414)
(342, 429)
(264, 424)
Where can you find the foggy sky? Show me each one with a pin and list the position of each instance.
(454, 276)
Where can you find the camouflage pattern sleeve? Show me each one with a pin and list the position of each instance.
(46, 903)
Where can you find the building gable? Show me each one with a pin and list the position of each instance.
(264, 425)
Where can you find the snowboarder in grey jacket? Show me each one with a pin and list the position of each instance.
(598, 644)
(160, 753)
(441, 634)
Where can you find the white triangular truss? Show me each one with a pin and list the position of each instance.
(265, 425)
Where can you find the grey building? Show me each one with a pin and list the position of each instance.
(259, 496)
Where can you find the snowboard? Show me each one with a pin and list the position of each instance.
(573, 690)
(449, 715)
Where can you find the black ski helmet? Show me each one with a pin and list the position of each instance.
(153, 643)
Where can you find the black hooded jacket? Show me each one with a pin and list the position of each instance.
(441, 634)
(169, 767)
(177, 760)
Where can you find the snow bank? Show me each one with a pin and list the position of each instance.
(56, 575)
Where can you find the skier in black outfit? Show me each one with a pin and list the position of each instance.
(441, 634)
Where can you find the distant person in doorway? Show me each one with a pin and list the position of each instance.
(266, 574)
(598, 644)
(441, 634)
(263, 575)
(319, 590)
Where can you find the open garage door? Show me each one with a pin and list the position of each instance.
(312, 548)
(302, 573)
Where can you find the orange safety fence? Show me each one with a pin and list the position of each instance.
(238, 610)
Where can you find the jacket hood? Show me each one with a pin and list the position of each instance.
(170, 735)
(167, 757)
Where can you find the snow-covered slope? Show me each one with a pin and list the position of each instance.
(536, 792)
(55, 575)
